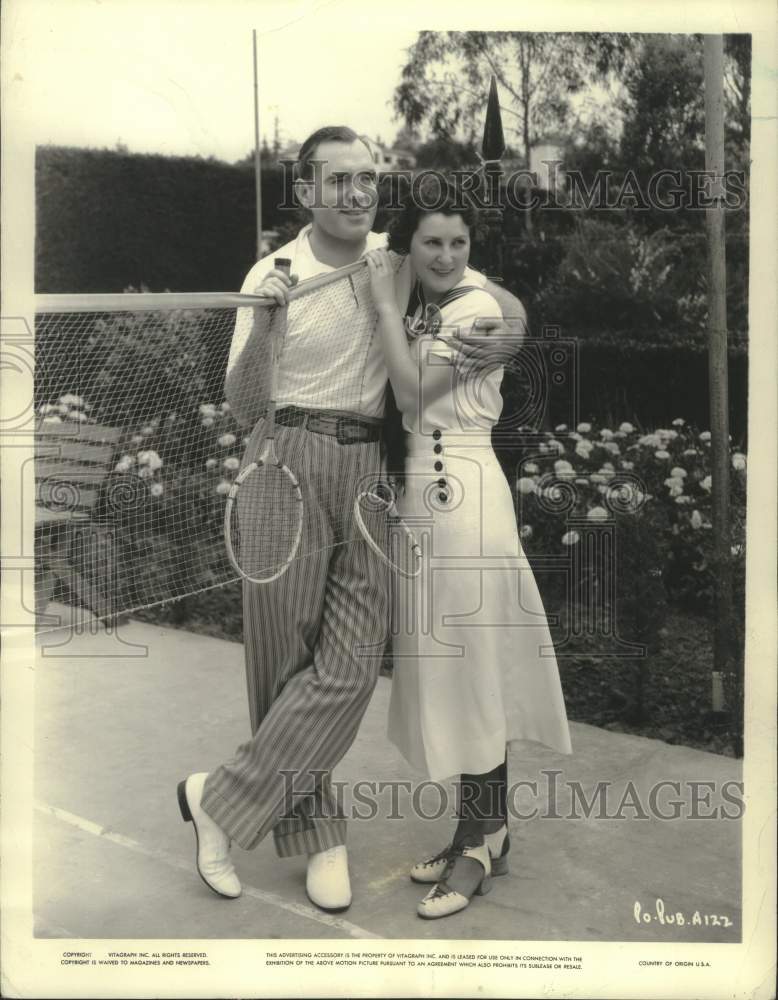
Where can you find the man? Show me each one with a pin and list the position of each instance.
(313, 638)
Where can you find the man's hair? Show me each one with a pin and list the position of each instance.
(328, 133)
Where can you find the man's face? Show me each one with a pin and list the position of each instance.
(342, 195)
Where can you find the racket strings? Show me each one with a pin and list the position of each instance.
(266, 523)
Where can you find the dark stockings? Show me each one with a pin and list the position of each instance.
(482, 810)
(483, 802)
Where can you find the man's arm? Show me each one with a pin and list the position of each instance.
(247, 383)
(514, 313)
(247, 380)
(494, 340)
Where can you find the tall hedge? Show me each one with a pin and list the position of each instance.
(108, 219)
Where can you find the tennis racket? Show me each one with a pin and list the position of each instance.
(263, 516)
(380, 524)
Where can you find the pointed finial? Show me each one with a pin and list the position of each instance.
(493, 145)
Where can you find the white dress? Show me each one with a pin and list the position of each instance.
(474, 665)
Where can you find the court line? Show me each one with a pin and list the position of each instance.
(300, 909)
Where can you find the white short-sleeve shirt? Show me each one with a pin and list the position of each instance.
(332, 356)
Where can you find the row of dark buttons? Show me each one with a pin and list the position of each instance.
(438, 448)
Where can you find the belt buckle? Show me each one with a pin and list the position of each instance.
(348, 431)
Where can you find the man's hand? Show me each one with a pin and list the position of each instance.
(275, 285)
(491, 342)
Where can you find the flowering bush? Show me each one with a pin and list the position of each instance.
(660, 479)
(653, 491)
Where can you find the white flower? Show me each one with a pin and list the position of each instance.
(207, 410)
(597, 514)
(47, 408)
(225, 407)
(662, 455)
(157, 489)
(150, 458)
(582, 481)
(52, 420)
(650, 441)
(145, 472)
(122, 466)
(678, 472)
(70, 400)
(612, 447)
(602, 489)
(627, 465)
(543, 448)
(683, 499)
(172, 417)
(562, 466)
(211, 463)
(690, 451)
(526, 485)
(584, 449)
(575, 436)
(207, 421)
(596, 477)
(696, 519)
(560, 428)
(738, 461)
(136, 439)
(570, 538)
(231, 463)
(626, 428)
(557, 446)
(63, 408)
(619, 434)
(226, 440)
(526, 531)
(584, 428)
(148, 429)
(677, 488)
(245, 441)
(77, 415)
(706, 483)
(606, 434)
(678, 422)
(705, 436)
(530, 467)
(223, 487)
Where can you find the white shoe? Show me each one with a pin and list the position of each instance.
(327, 881)
(213, 845)
(431, 870)
(442, 900)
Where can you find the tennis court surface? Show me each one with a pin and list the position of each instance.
(121, 718)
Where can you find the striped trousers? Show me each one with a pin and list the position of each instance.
(314, 641)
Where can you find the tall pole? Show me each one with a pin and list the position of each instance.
(257, 171)
(492, 150)
(718, 385)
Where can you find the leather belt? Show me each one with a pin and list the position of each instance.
(347, 428)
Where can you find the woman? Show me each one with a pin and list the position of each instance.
(474, 665)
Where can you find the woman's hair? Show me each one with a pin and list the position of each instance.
(435, 195)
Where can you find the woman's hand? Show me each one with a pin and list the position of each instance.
(379, 265)
(275, 285)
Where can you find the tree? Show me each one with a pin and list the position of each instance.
(445, 80)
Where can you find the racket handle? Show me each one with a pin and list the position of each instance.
(283, 264)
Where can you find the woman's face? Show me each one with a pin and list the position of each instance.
(440, 248)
